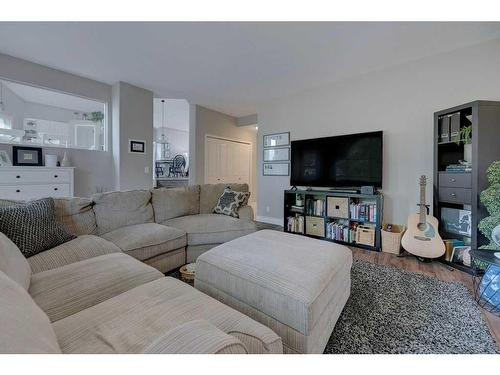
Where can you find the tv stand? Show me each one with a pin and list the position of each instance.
(341, 216)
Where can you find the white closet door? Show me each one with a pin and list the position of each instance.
(227, 161)
(212, 161)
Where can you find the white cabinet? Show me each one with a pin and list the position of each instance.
(26, 183)
(227, 161)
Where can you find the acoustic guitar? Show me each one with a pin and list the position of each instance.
(422, 237)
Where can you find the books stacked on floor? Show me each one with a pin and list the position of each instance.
(459, 168)
(295, 224)
(315, 207)
(363, 211)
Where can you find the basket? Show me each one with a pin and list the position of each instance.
(391, 241)
(365, 235)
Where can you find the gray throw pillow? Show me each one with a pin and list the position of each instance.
(32, 226)
(230, 201)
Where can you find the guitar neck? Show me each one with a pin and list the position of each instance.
(423, 209)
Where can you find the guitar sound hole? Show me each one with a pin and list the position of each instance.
(421, 226)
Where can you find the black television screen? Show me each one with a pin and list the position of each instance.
(343, 161)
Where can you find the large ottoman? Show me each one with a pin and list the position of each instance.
(295, 285)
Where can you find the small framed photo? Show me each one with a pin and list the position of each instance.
(461, 255)
(27, 156)
(276, 169)
(277, 154)
(279, 139)
(136, 146)
(4, 159)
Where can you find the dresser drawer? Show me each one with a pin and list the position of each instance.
(455, 195)
(34, 176)
(28, 192)
(315, 226)
(461, 180)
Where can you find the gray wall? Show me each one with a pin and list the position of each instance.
(209, 122)
(400, 101)
(94, 168)
(134, 108)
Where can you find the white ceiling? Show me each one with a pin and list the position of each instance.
(232, 67)
(55, 99)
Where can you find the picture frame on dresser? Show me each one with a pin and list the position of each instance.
(27, 156)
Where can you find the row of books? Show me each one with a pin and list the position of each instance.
(315, 207)
(363, 211)
(461, 168)
(295, 224)
(340, 232)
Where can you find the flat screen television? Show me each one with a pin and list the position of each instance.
(343, 161)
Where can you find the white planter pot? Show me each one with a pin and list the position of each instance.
(468, 153)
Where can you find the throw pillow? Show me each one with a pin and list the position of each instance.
(32, 226)
(230, 201)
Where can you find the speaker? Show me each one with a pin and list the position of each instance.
(367, 190)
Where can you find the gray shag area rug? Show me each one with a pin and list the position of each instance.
(395, 311)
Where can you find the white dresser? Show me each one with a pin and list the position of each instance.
(26, 183)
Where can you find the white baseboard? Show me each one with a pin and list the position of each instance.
(270, 220)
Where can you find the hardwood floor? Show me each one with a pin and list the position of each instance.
(435, 269)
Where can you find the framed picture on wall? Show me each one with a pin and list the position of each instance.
(276, 169)
(277, 154)
(27, 156)
(136, 146)
(279, 139)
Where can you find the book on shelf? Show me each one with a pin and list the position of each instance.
(295, 224)
(459, 168)
(363, 211)
(341, 231)
(315, 207)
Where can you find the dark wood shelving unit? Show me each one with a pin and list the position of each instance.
(321, 221)
(461, 190)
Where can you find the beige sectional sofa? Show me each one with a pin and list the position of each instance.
(93, 295)
(164, 228)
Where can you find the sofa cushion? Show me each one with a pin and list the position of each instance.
(210, 193)
(76, 215)
(81, 248)
(144, 241)
(24, 327)
(211, 228)
(13, 263)
(230, 201)
(32, 226)
(121, 208)
(64, 291)
(170, 203)
(131, 321)
(196, 337)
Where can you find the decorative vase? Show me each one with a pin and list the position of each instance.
(65, 160)
(468, 152)
(50, 160)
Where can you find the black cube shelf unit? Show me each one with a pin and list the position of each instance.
(461, 190)
(336, 215)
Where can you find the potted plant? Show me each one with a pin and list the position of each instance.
(465, 136)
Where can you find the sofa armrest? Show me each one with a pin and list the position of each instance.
(246, 212)
(196, 337)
